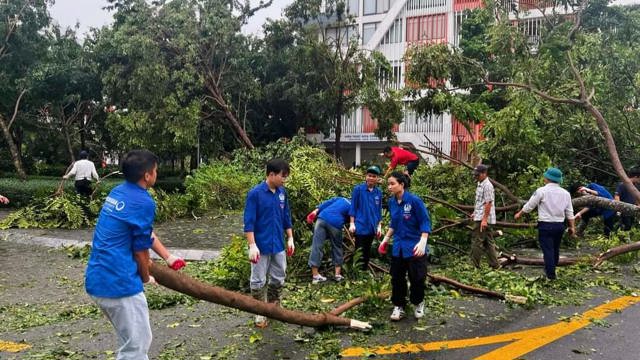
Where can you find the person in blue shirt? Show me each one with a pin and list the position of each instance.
(366, 214)
(587, 213)
(119, 262)
(332, 215)
(266, 218)
(623, 194)
(410, 227)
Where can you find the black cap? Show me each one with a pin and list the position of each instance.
(480, 169)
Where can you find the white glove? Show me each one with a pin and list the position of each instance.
(352, 228)
(379, 231)
(151, 281)
(291, 248)
(420, 247)
(254, 253)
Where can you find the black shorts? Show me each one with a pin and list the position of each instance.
(412, 166)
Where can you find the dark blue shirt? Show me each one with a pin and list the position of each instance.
(602, 192)
(335, 211)
(409, 219)
(267, 215)
(625, 195)
(366, 208)
(124, 227)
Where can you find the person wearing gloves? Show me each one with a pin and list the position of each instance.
(554, 207)
(365, 214)
(83, 171)
(484, 215)
(332, 215)
(174, 262)
(587, 213)
(410, 227)
(118, 266)
(266, 219)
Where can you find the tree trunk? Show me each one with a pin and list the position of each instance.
(182, 283)
(67, 139)
(611, 149)
(337, 151)
(598, 201)
(216, 94)
(13, 149)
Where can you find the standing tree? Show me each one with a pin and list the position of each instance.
(22, 43)
(565, 76)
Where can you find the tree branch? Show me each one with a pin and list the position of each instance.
(15, 109)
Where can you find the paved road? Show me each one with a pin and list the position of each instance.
(43, 288)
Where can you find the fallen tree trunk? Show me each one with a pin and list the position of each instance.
(597, 201)
(436, 279)
(184, 284)
(618, 250)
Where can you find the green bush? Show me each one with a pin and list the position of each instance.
(69, 211)
(232, 270)
(220, 185)
(22, 193)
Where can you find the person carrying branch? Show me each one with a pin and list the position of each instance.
(266, 219)
(623, 194)
(118, 266)
(331, 216)
(587, 213)
(83, 171)
(554, 208)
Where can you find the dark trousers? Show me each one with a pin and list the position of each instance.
(609, 223)
(83, 187)
(363, 243)
(626, 222)
(550, 236)
(412, 166)
(416, 267)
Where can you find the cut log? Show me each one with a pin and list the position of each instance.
(515, 259)
(184, 284)
(437, 279)
(618, 250)
(597, 201)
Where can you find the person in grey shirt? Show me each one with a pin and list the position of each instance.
(554, 207)
(484, 215)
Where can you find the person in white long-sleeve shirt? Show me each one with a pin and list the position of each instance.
(83, 171)
(554, 207)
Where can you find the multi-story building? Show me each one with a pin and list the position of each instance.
(391, 27)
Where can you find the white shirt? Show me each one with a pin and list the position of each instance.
(553, 202)
(484, 194)
(83, 169)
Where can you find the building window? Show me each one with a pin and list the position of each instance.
(367, 32)
(369, 7)
(394, 35)
(353, 7)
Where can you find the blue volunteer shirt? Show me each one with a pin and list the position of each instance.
(267, 215)
(624, 194)
(602, 192)
(335, 211)
(366, 208)
(124, 227)
(409, 219)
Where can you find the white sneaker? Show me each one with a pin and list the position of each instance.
(261, 321)
(318, 279)
(418, 312)
(397, 314)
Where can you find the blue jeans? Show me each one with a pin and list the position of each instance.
(130, 318)
(550, 236)
(321, 232)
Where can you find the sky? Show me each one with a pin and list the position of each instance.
(89, 13)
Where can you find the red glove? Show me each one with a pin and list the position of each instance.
(382, 249)
(291, 248)
(311, 217)
(176, 263)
